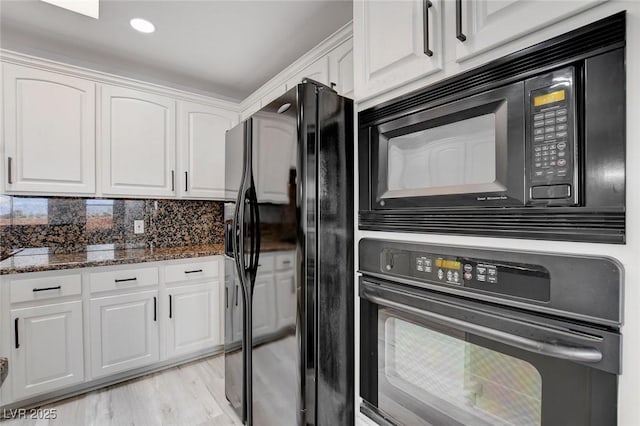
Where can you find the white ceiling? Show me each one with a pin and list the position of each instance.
(216, 47)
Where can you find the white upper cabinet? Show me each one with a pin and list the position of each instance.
(487, 24)
(395, 42)
(341, 69)
(138, 143)
(274, 147)
(201, 149)
(49, 132)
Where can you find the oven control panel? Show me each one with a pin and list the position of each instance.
(512, 279)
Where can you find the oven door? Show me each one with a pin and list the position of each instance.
(465, 153)
(431, 359)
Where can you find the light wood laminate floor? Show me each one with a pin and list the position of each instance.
(190, 394)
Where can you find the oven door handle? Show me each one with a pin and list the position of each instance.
(555, 350)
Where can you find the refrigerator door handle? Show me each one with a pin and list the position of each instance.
(255, 233)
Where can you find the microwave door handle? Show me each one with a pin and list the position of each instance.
(426, 5)
(555, 350)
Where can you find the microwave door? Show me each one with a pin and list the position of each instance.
(464, 153)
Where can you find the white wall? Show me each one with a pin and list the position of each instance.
(628, 255)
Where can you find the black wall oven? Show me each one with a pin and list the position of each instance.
(531, 145)
(460, 336)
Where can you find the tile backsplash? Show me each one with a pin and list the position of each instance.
(72, 223)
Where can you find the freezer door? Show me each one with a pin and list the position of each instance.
(234, 312)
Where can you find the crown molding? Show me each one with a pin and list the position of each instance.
(13, 57)
(343, 34)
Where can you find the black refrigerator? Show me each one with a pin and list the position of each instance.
(289, 261)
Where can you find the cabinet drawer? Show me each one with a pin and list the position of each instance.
(118, 280)
(285, 261)
(191, 271)
(24, 290)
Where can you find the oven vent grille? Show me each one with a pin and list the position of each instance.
(605, 33)
(593, 226)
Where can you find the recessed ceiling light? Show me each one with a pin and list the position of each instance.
(142, 25)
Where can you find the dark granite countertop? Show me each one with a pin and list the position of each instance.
(44, 259)
(48, 259)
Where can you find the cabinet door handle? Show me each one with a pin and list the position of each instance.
(226, 297)
(47, 288)
(237, 295)
(426, 5)
(170, 307)
(193, 271)
(155, 308)
(9, 171)
(15, 330)
(186, 181)
(459, 34)
(123, 280)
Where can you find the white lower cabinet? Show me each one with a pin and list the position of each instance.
(124, 332)
(193, 318)
(122, 319)
(286, 298)
(237, 311)
(47, 348)
(264, 314)
(274, 298)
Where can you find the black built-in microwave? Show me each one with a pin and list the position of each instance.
(531, 145)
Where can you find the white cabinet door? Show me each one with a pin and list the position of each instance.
(318, 71)
(341, 69)
(286, 299)
(389, 43)
(201, 136)
(138, 143)
(228, 307)
(274, 147)
(487, 24)
(236, 300)
(47, 348)
(49, 132)
(264, 314)
(124, 332)
(193, 314)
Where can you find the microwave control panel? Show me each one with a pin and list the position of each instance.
(551, 138)
(511, 279)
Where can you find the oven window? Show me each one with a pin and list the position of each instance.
(459, 157)
(432, 375)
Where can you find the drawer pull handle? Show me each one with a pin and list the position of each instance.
(47, 288)
(15, 330)
(286, 262)
(193, 272)
(123, 280)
